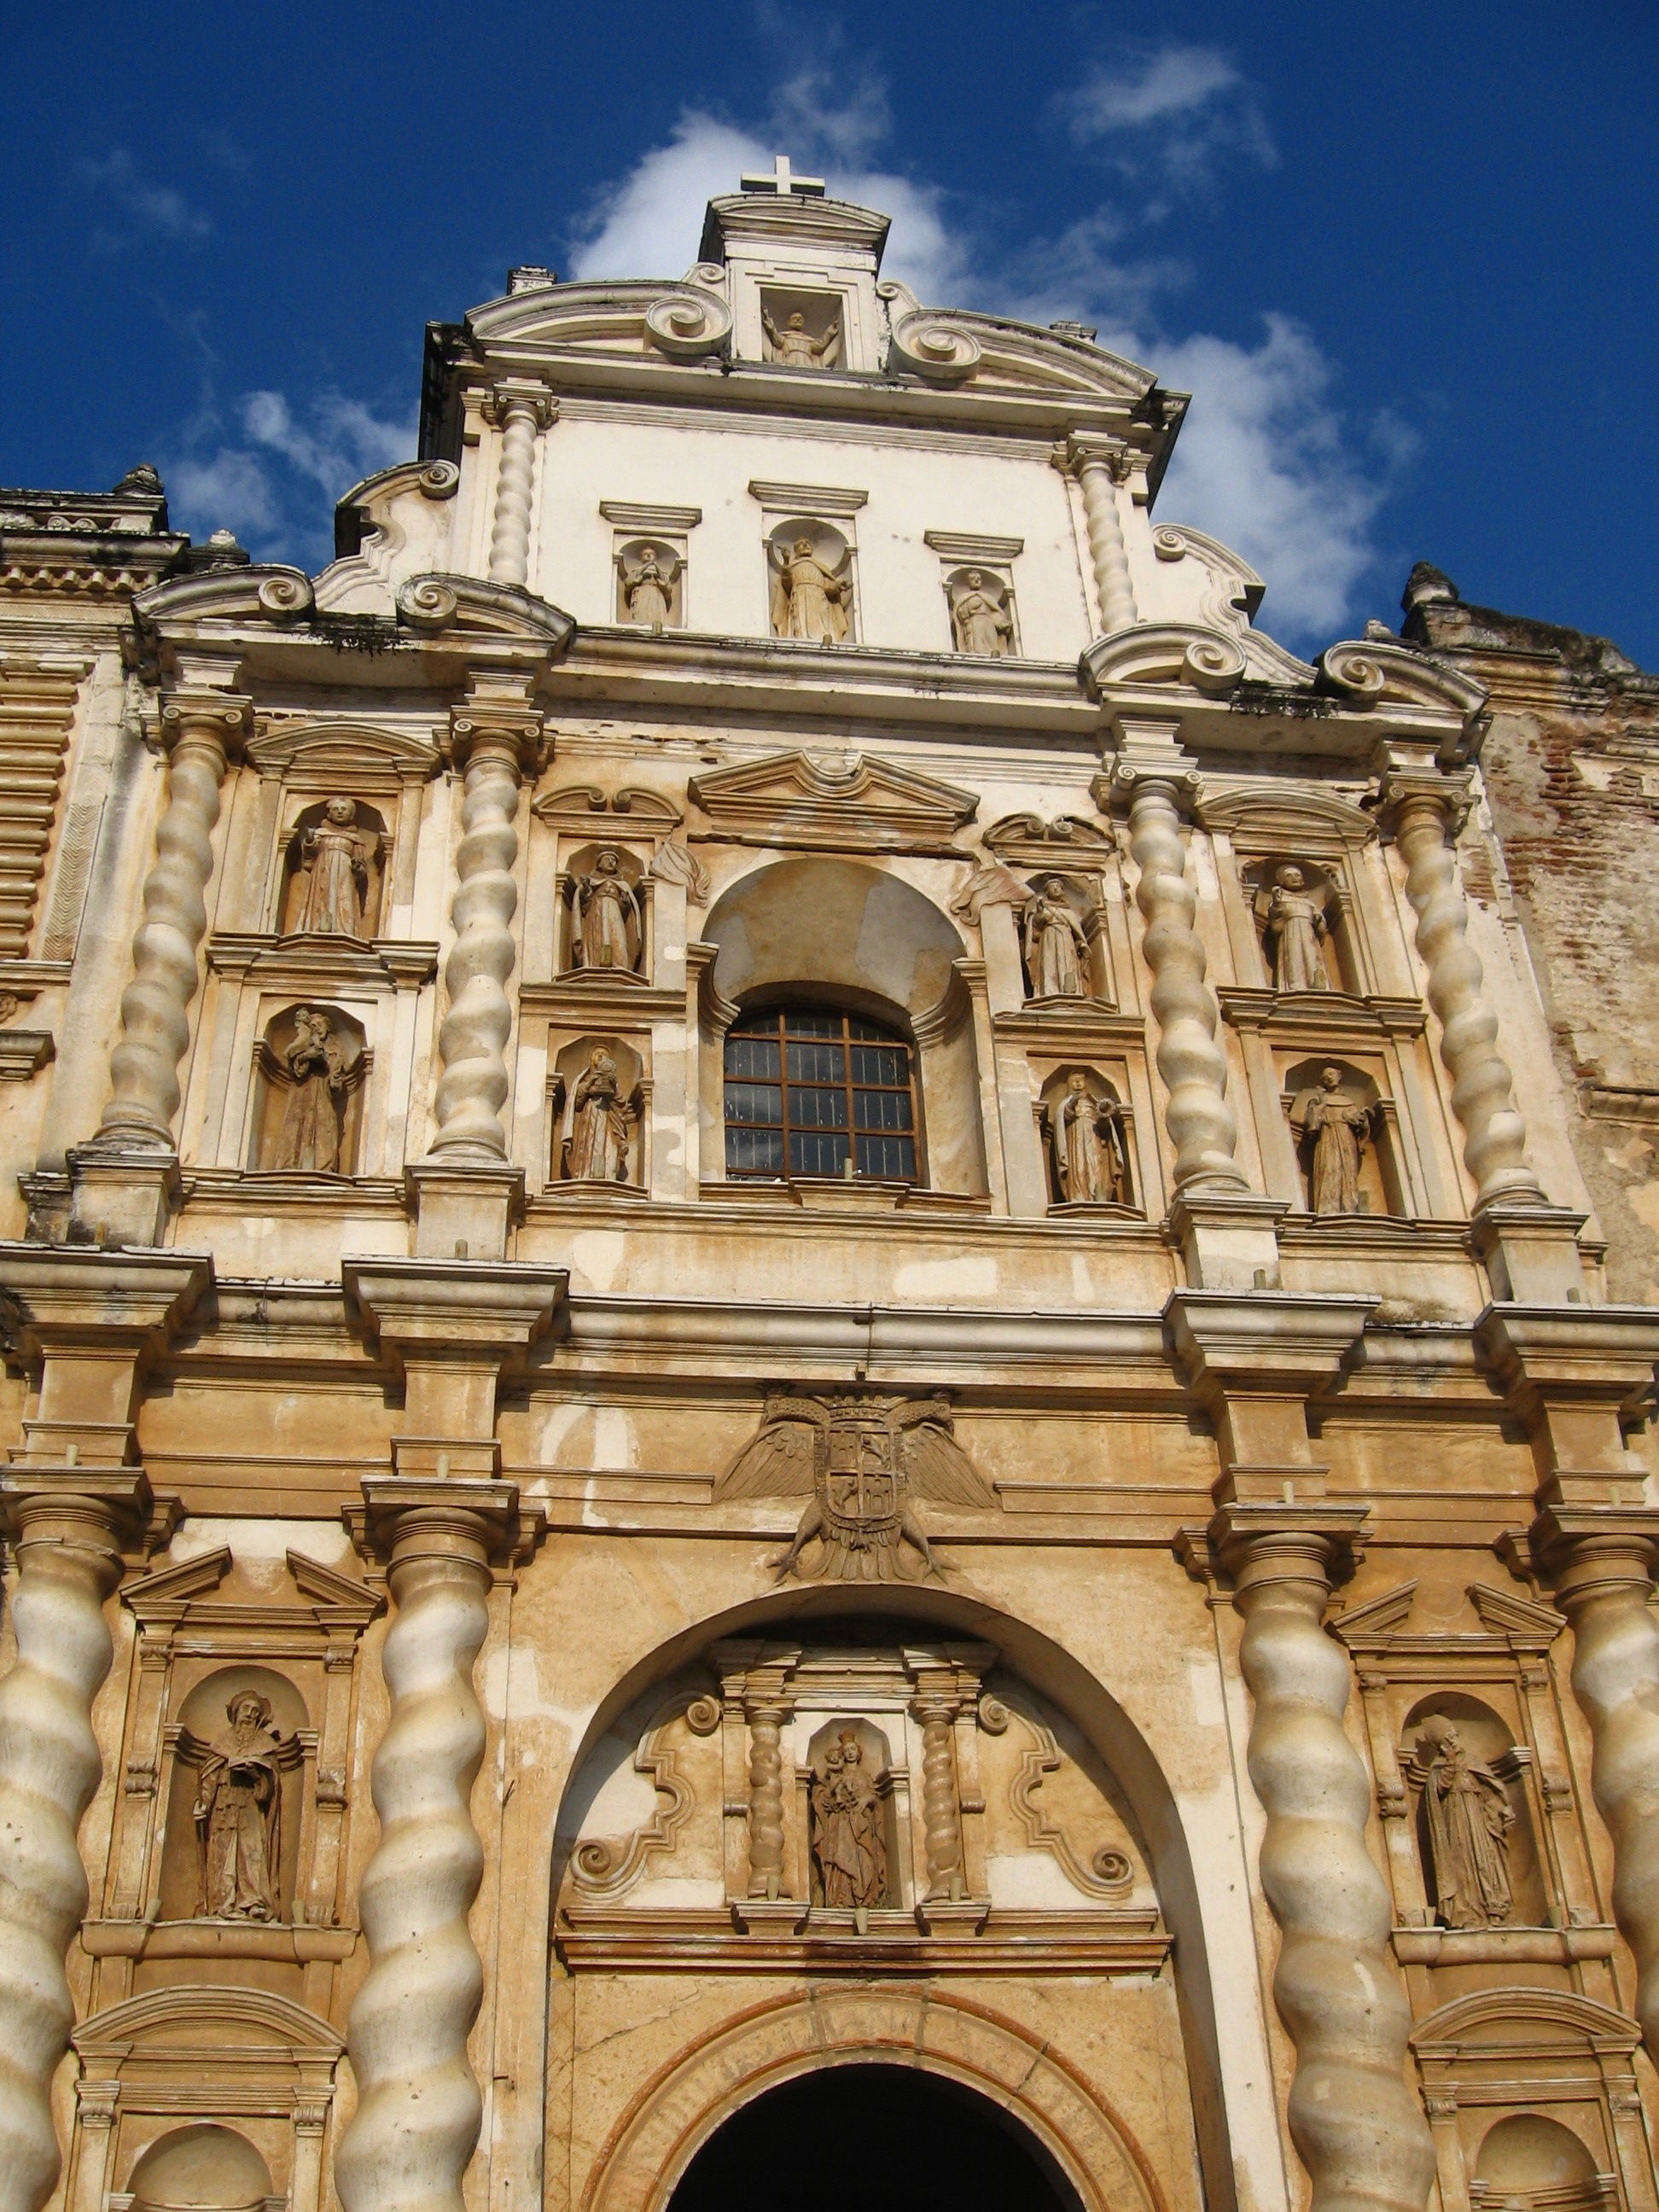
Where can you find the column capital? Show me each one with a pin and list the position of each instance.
(476, 1524)
(1083, 449)
(109, 1513)
(522, 396)
(198, 711)
(1575, 1374)
(508, 723)
(1307, 1541)
(1407, 782)
(1151, 761)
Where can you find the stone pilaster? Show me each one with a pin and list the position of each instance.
(73, 1506)
(1573, 1373)
(1100, 465)
(418, 2102)
(1529, 1248)
(442, 1521)
(521, 410)
(1253, 1362)
(125, 1176)
(1227, 1231)
(465, 1188)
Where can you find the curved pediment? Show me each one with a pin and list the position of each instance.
(328, 750)
(847, 804)
(1187, 657)
(1372, 672)
(231, 2017)
(1264, 818)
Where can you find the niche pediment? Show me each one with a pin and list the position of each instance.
(839, 803)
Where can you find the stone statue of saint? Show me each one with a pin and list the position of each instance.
(1089, 1150)
(794, 344)
(1295, 925)
(315, 1112)
(809, 600)
(1470, 1817)
(600, 1123)
(1056, 945)
(981, 619)
(1338, 1127)
(337, 856)
(609, 933)
(849, 1844)
(647, 591)
(238, 1813)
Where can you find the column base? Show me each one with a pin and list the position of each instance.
(122, 1194)
(1230, 1241)
(463, 1208)
(1531, 1253)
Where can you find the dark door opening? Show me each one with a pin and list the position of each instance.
(879, 2138)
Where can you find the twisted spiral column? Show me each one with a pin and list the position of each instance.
(1356, 2125)
(941, 1818)
(1096, 463)
(472, 1042)
(1201, 1123)
(766, 1721)
(1604, 1589)
(1423, 807)
(201, 727)
(69, 1561)
(418, 2110)
(521, 410)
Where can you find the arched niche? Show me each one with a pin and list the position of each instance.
(833, 552)
(877, 1754)
(1319, 881)
(818, 928)
(1079, 897)
(1529, 2156)
(1488, 1744)
(1381, 1187)
(586, 946)
(203, 1725)
(1143, 1826)
(333, 869)
(308, 1111)
(571, 1063)
(207, 2169)
(1113, 1157)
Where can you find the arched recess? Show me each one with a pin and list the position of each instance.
(824, 929)
(1086, 1702)
(674, 2113)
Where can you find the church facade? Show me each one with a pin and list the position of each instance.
(799, 1318)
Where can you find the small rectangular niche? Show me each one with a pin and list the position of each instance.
(649, 558)
(817, 340)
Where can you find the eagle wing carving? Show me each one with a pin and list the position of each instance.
(937, 1466)
(780, 1460)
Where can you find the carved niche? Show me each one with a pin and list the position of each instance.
(649, 556)
(313, 1061)
(1299, 914)
(1346, 1138)
(334, 874)
(860, 1459)
(809, 582)
(308, 765)
(604, 932)
(846, 1795)
(1058, 928)
(1084, 1126)
(599, 1099)
(230, 1830)
(609, 859)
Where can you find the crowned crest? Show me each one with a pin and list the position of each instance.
(860, 1458)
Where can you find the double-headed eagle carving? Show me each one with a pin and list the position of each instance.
(859, 1458)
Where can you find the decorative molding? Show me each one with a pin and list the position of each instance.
(1109, 1873)
(38, 694)
(853, 802)
(635, 514)
(602, 1868)
(585, 807)
(23, 1054)
(806, 499)
(966, 545)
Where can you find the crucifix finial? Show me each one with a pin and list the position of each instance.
(783, 181)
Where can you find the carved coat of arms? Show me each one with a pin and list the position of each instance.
(860, 1459)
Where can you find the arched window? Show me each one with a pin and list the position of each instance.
(810, 1091)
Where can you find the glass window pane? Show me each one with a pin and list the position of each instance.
(874, 1064)
(800, 1021)
(817, 1063)
(747, 1055)
(881, 1110)
(812, 1154)
(754, 1152)
(891, 1157)
(816, 1110)
(755, 1102)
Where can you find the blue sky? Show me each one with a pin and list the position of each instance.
(1403, 256)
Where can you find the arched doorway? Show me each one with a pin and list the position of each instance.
(886, 2137)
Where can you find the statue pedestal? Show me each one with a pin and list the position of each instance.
(463, 1208)
(1531, 1253)
(123, 1194)
(1230, 1241)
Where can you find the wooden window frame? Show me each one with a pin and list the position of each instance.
(776, 1019)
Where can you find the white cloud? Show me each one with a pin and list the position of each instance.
(1175, 113)
(1266, 463)
(161, 208)
(264, 485)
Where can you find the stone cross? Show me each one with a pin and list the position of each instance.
(783, 182)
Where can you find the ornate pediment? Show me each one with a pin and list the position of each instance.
(302, 748)
(839, 803)
(1275, 817)
(633, 809)
(1066, 839)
